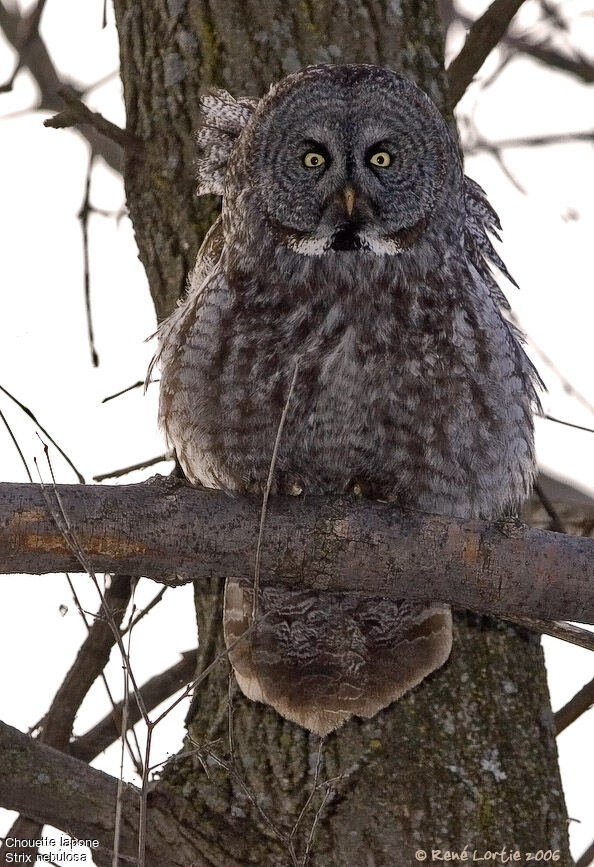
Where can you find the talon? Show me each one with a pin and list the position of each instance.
(359, 488)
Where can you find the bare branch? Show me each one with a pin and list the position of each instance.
(141, 465)
(140, 384)
(586, 857)
(543, 50)
(56, 789)
(77, 113)
(569, 424)
(16, 445)
(33, 418)
(154, 692)
(88, 665)
(575, 508)
(324, 543)
(481, 144)
(144, 611)
(575, 707)
(556, 522)
(483, 36)
(83, 216)
(579, 66)
(34, 55)
(57, 723)
(557, 629)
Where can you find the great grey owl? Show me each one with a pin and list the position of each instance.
(350, 262)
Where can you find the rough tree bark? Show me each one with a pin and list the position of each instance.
(467, 758)
(171, 532)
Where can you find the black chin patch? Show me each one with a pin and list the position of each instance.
(346, 239)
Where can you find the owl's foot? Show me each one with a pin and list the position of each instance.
(359, 488)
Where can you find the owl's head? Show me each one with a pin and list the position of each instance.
(342, 159)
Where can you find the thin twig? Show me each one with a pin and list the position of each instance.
(83, 216)
(115, 713)
(115, 474)
(76, 112)
(481, 144)
(119, 796)
(232, 771)
(94, 85)
(73, 541)
(63, 523)
(567, 385)
(28, 412)
(556, 524)
(144, 611)
(230, 715)
(495, 152)
(267, 489)
(140, 384)
(578, 65)
(569, 424)
(56, 726)
(142, 818)
(154, 692)
(308, 801)
(220, 657)
(16, 445)
(314, 825)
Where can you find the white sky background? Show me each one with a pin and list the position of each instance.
(45, 359)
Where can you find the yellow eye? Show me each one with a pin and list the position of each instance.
(381, 158)
(312, 160)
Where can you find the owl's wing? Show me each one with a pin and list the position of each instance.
(222, 119)
(480, 220)
(203, 272)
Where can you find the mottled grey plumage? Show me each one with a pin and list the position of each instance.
(371, 273)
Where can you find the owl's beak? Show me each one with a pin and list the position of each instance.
(349, 199)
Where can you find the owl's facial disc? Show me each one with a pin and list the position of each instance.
(365, 131)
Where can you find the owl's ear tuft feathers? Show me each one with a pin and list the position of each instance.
(223, 119)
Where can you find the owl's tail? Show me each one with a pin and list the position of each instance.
(320, 658)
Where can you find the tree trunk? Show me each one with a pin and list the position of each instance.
(469, 757)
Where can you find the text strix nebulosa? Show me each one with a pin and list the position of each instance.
(345, 283)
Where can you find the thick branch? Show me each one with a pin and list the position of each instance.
(167, 527)
(56, 789)
(57, 723)
(543, 50)
(483, 36)
(88, 665)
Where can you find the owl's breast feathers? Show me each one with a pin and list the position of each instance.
(409, 384)
(418, 389)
